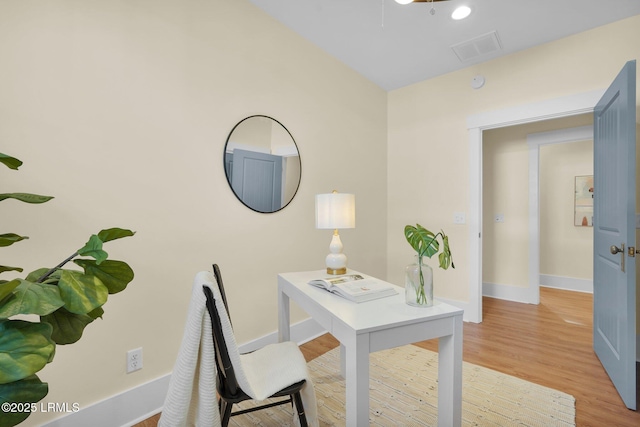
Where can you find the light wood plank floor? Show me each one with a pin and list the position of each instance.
(549, 344)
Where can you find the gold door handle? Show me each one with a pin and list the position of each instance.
(614, 250)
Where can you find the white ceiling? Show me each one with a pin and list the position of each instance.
(394, 45)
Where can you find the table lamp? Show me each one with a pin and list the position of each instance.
(335, 211)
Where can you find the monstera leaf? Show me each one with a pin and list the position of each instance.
(425, 243)
(421, 240)
(445, 257)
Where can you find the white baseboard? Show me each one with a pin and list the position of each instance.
(524, 295)
(124, 409)
(566, 283)
(139, 403)
(506, 292)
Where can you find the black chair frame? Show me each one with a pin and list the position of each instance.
(227, 386)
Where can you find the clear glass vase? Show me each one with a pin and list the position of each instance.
(418, 283)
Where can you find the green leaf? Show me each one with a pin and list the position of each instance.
(98, 312)
(36, 274)
(52, 279)
(421, 240)
(32, 298)
(93, 248)
(114, 233)
(25, 348)
(6, 289)
(425, 243)
(9, 239)
(115, 275)
(4, 268)
(68, 327)
(81, 293)
(28, 390)
(26, 197)
(445, 258)
(10, 162)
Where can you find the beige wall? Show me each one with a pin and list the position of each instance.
(428, 147)
(565, 250)
(121, 110)
(505, 181)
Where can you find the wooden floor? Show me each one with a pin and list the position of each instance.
(549, 344)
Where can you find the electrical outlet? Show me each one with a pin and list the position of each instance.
(499, 218)
(134, 360)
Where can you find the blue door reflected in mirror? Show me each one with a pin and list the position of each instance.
(262, 164)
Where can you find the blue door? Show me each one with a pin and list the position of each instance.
(614, 246)
(257, 179)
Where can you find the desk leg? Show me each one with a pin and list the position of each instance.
(343, 361)
(450, 377)
(284, 317)
(357, 381)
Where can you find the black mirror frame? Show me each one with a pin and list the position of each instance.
(224, 164)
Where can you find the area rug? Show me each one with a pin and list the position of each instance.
(404, 392)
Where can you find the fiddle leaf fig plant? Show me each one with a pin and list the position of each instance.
(63, 300)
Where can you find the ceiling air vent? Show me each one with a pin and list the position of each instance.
(479, 46)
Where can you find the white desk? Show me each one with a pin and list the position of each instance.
(378, 325)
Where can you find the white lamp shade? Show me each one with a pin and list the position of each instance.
(335, 211)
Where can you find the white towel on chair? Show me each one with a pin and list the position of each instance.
(191, 399)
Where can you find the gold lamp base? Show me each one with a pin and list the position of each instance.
(337, 271)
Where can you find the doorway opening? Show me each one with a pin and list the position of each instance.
(529, 172)
(478, 124)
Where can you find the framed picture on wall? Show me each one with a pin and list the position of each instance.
(583, 207)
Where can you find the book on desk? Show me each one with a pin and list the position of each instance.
(355, 287)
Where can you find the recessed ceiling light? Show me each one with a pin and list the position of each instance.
(404, 1)
(460, 12)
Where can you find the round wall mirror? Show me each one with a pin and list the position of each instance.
(262, 164)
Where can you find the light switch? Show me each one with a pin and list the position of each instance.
(499, 218)
(459, 218)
